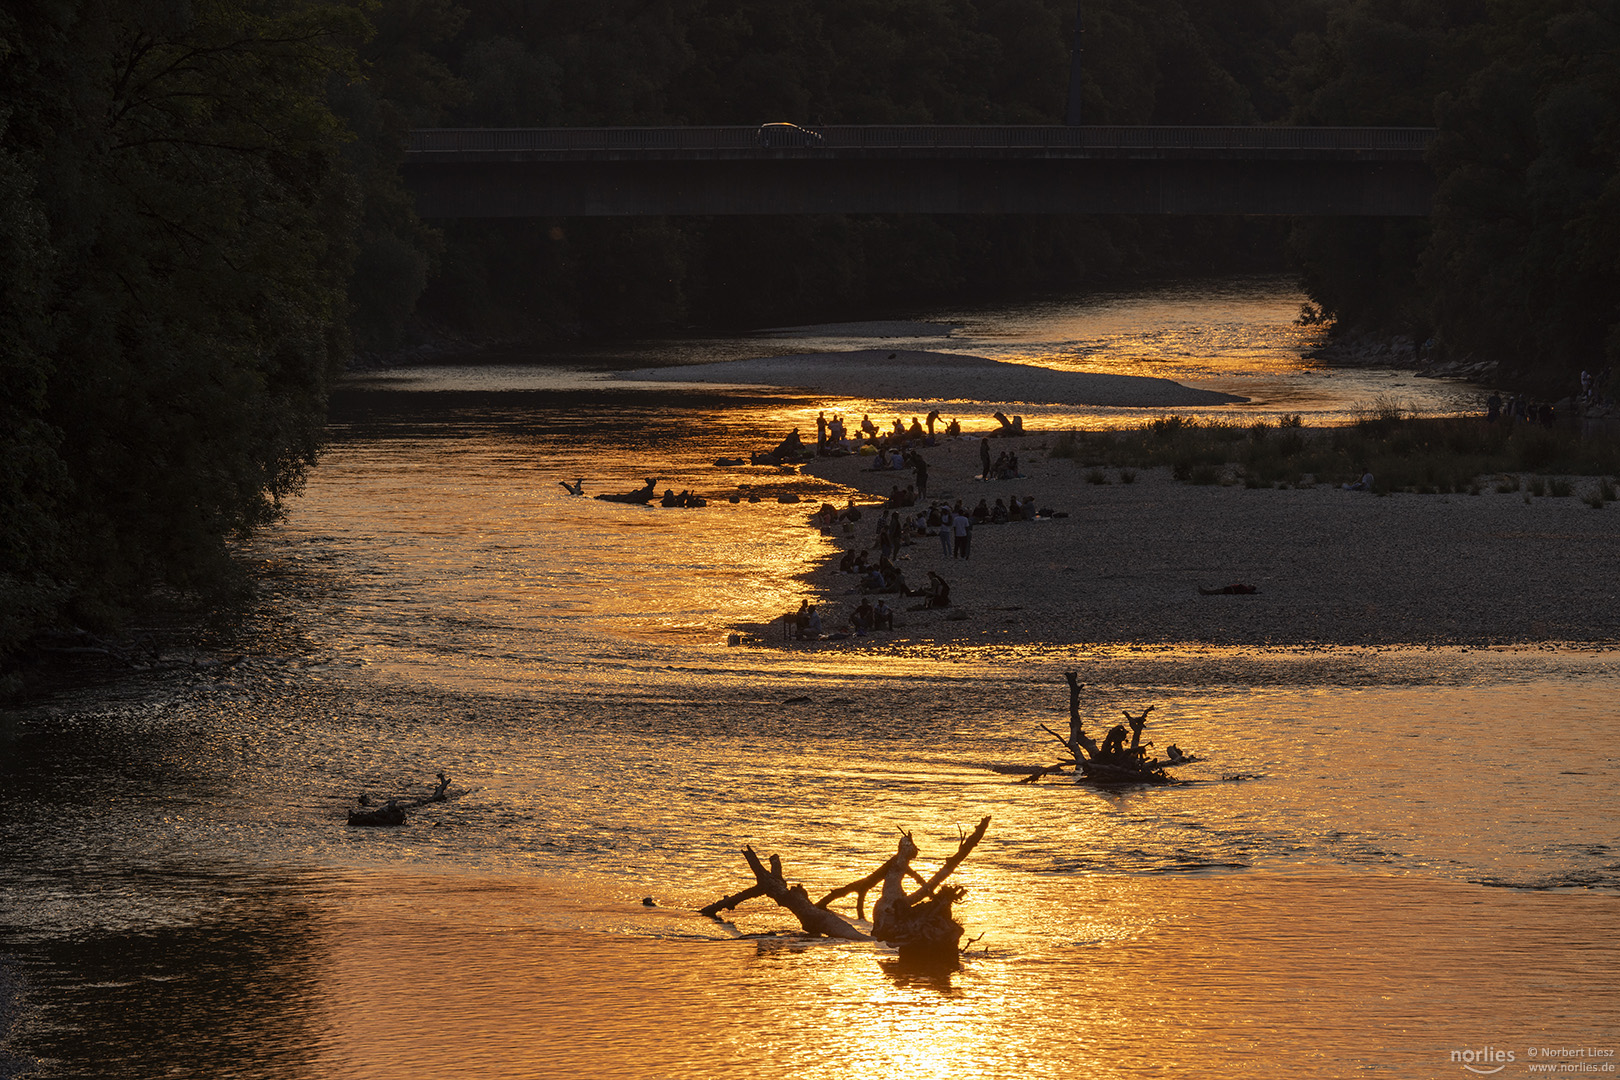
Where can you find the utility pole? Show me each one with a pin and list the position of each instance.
(1073, 118)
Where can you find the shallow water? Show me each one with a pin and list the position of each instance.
(1419, 860)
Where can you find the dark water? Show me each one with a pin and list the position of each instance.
(1423, 861)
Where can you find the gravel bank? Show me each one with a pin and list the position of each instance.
(1332, 567)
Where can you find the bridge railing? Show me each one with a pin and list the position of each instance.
(902, 137)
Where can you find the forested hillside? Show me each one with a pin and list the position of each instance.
(201, 214)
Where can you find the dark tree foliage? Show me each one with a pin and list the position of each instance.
(1523, 265)
(33, 479)
(404, 85)
(1375, 63)
(175, 224)
(1518, 262)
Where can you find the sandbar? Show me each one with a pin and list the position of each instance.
(934, 377)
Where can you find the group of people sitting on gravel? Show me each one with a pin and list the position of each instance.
(834, 436)
(1005, 467)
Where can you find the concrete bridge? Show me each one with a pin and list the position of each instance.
(597, 172)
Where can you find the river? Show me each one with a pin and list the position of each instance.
(1397, 862)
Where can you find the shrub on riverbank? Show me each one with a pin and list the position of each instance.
(1403, 452)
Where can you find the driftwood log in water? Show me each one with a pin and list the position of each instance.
(920, 925)
(384, 816)
(726, 903)
(393, 812)
(646, 494)
(1113, 762)
(861, 886)
(815, 920)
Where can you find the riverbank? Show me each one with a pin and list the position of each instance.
(1330, 567)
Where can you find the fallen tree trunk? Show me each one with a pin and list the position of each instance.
(861, 886)
(382, 817)
(1040, 771)
(726, 903)
(815, 920)
(393, 812)
(1112, 762)
(920, 925)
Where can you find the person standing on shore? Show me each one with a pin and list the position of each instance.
(984, 458)
(921, 467)
(821, 433)
(962, 529)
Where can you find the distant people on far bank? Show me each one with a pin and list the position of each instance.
(1595, 398)
(889, 447)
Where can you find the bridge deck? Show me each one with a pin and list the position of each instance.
(1389, 144)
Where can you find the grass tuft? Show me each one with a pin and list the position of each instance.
(1403, 452)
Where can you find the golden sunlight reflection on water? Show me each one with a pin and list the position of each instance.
(1199, 975)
